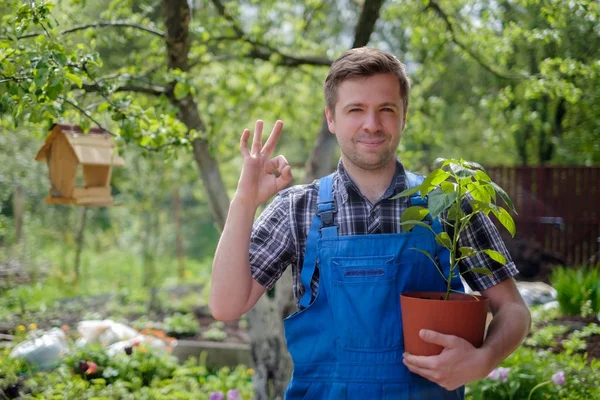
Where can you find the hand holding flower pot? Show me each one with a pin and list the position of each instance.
(455, 191)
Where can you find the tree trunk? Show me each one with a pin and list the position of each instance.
(147, 246)
(79, 243)
(321, 161)
(179, 233)
(177, 19)
(18, 213)
(273, 364)
(269, 349)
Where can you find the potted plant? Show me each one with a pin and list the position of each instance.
(451, 184)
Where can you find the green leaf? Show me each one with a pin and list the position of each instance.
(407, 192)
(439, 201)
(103, 107)
(415, 213)
(442, 162)
(504, 196)
(443, 239)
(482, 176)
(474, 165)
(478, 192)
(467, 251)
(455, 212)
(480, 206)
(505, 219)
(494, 255)
(411, 224)
(479, 270)
(54, 91)
(461, 171)
(433, 180)
(448, 186)
(181, 90)
(75, 79)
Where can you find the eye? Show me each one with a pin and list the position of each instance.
(387, 109)
(354, 110)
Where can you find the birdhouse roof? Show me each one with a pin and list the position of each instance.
(95, 148)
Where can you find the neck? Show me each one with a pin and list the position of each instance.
(371, 183)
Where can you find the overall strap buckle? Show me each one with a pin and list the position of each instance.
(325, 211)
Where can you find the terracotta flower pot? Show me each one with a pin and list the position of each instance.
(462, 315)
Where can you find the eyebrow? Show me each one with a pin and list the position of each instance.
(386, 104)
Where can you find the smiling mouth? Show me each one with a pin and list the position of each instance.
(371, 143)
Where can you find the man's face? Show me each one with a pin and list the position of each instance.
(369, 119)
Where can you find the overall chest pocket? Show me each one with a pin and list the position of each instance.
(366, 305)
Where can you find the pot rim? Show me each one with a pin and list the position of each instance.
(471, 297)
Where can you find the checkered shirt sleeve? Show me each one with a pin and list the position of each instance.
(271, 246)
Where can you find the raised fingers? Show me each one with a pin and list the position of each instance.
(273, 138)
(244, 143)
(257, 140)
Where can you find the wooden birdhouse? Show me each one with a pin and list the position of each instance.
(80, 165)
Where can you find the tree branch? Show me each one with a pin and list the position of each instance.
(88, 116)
(152, 90)
(451, 29)
(85, 113)
(366, 22)
(262, 51)
(101, 24)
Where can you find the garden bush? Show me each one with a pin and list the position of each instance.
(578, 290)
(527, 368)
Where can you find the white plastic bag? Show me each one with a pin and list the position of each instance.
(45, 352)
(105, 332)
(152, 342)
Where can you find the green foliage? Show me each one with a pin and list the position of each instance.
(528, 368)
(577, 289)
(449, 186)
(546, 336)
(576, 343)
(215, 332)
(141, 375)
(181, 325)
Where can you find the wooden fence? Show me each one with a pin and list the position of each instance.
(558, 208)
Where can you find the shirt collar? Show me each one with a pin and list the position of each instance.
(344, 183)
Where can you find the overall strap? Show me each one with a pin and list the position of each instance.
(323, 221)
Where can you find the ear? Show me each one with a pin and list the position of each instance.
(330, 120)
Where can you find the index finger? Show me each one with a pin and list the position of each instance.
(421, 361)
(273, 138)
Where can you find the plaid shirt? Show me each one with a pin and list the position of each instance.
(279, 234)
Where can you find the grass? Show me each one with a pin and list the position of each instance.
(112, 271)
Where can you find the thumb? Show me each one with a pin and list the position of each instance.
(438, 338)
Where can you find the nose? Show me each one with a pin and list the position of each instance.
(372, 122)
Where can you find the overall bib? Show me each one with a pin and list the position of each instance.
(347, 343)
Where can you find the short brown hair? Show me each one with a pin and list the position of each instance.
(363, 62)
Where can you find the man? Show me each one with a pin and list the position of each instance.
(346, 339)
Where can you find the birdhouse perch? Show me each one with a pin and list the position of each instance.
(66, 148)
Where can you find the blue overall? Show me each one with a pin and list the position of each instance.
(347, 343)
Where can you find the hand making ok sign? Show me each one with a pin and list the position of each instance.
(262, 176)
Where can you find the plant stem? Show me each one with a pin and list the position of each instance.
(455, 233)
(537, 387)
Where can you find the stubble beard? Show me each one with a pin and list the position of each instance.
(367, 163)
